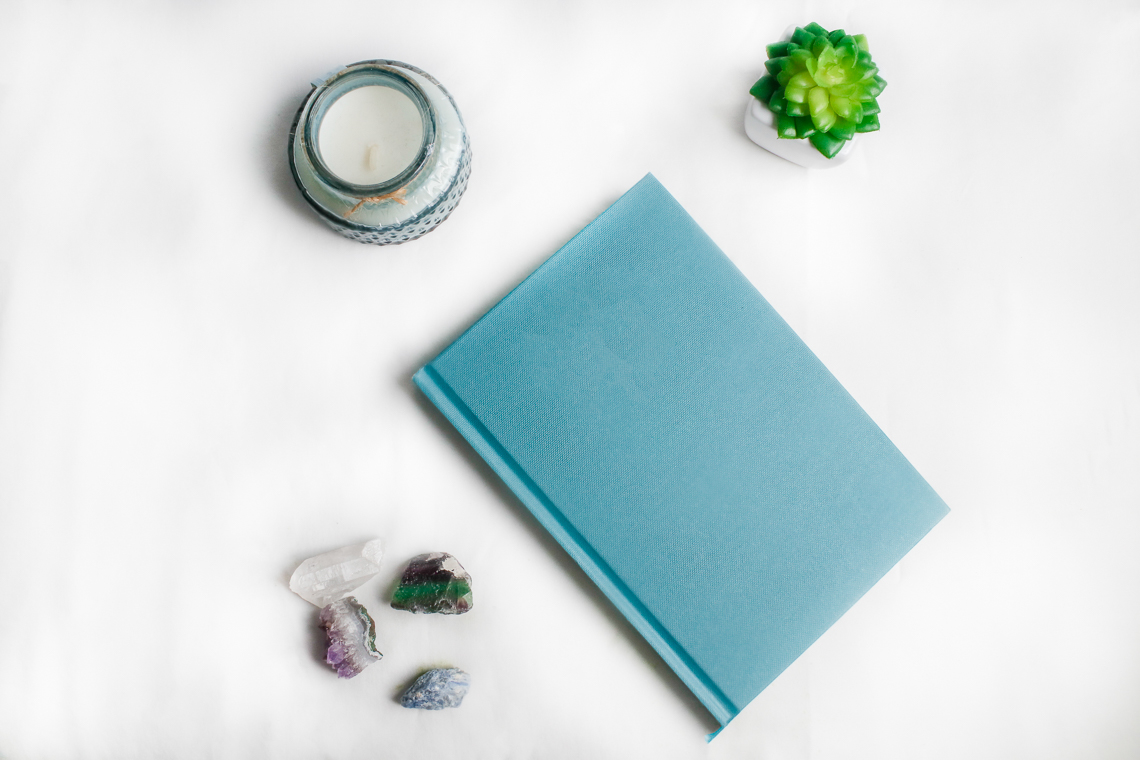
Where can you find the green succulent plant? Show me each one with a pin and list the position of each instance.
(821, 86)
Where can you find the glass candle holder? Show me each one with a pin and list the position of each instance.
(380, 152)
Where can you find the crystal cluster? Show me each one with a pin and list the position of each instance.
(437, 689)
(328, 577)
(434, 582)
(351, 635)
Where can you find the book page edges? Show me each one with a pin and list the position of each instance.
(464, 420)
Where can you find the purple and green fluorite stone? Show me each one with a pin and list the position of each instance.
(434, 582)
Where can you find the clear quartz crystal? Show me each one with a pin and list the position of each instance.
(334, 575)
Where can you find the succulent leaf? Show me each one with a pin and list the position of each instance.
(848, 48)
(786, 126)
(803, 37)
(826, 144)
(844, 129)
(764, 88)
(803, 79)
(822, 86)
(800, 59)
(817, 100)
(846, 107)
(825, 121)
(846, 91)
(779, 49)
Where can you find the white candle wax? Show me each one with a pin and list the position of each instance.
(370, 134)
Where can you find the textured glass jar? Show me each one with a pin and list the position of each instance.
(413, 202)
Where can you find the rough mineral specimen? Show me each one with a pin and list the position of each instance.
(434, 582)
(437, 689)
(351, 636)
(334, 575)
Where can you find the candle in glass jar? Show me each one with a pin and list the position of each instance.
(379, 150)
(370, 134)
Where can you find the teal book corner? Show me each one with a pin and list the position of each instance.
(678, 439)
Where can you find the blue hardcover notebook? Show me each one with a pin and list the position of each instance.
(670, 430)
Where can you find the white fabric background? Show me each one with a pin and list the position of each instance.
(200, 385)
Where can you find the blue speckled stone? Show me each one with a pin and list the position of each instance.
(437, 689)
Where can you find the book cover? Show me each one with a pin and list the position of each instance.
(680, 441)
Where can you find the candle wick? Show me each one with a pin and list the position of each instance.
(395, 195)
(373, 159)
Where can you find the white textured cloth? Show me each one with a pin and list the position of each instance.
(201, 385)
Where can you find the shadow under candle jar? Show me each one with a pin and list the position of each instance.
(380, 151)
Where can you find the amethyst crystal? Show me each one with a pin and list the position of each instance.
(434, 582)
(437, 689)
(351, 635)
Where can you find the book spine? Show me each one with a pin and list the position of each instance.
(468, 424)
